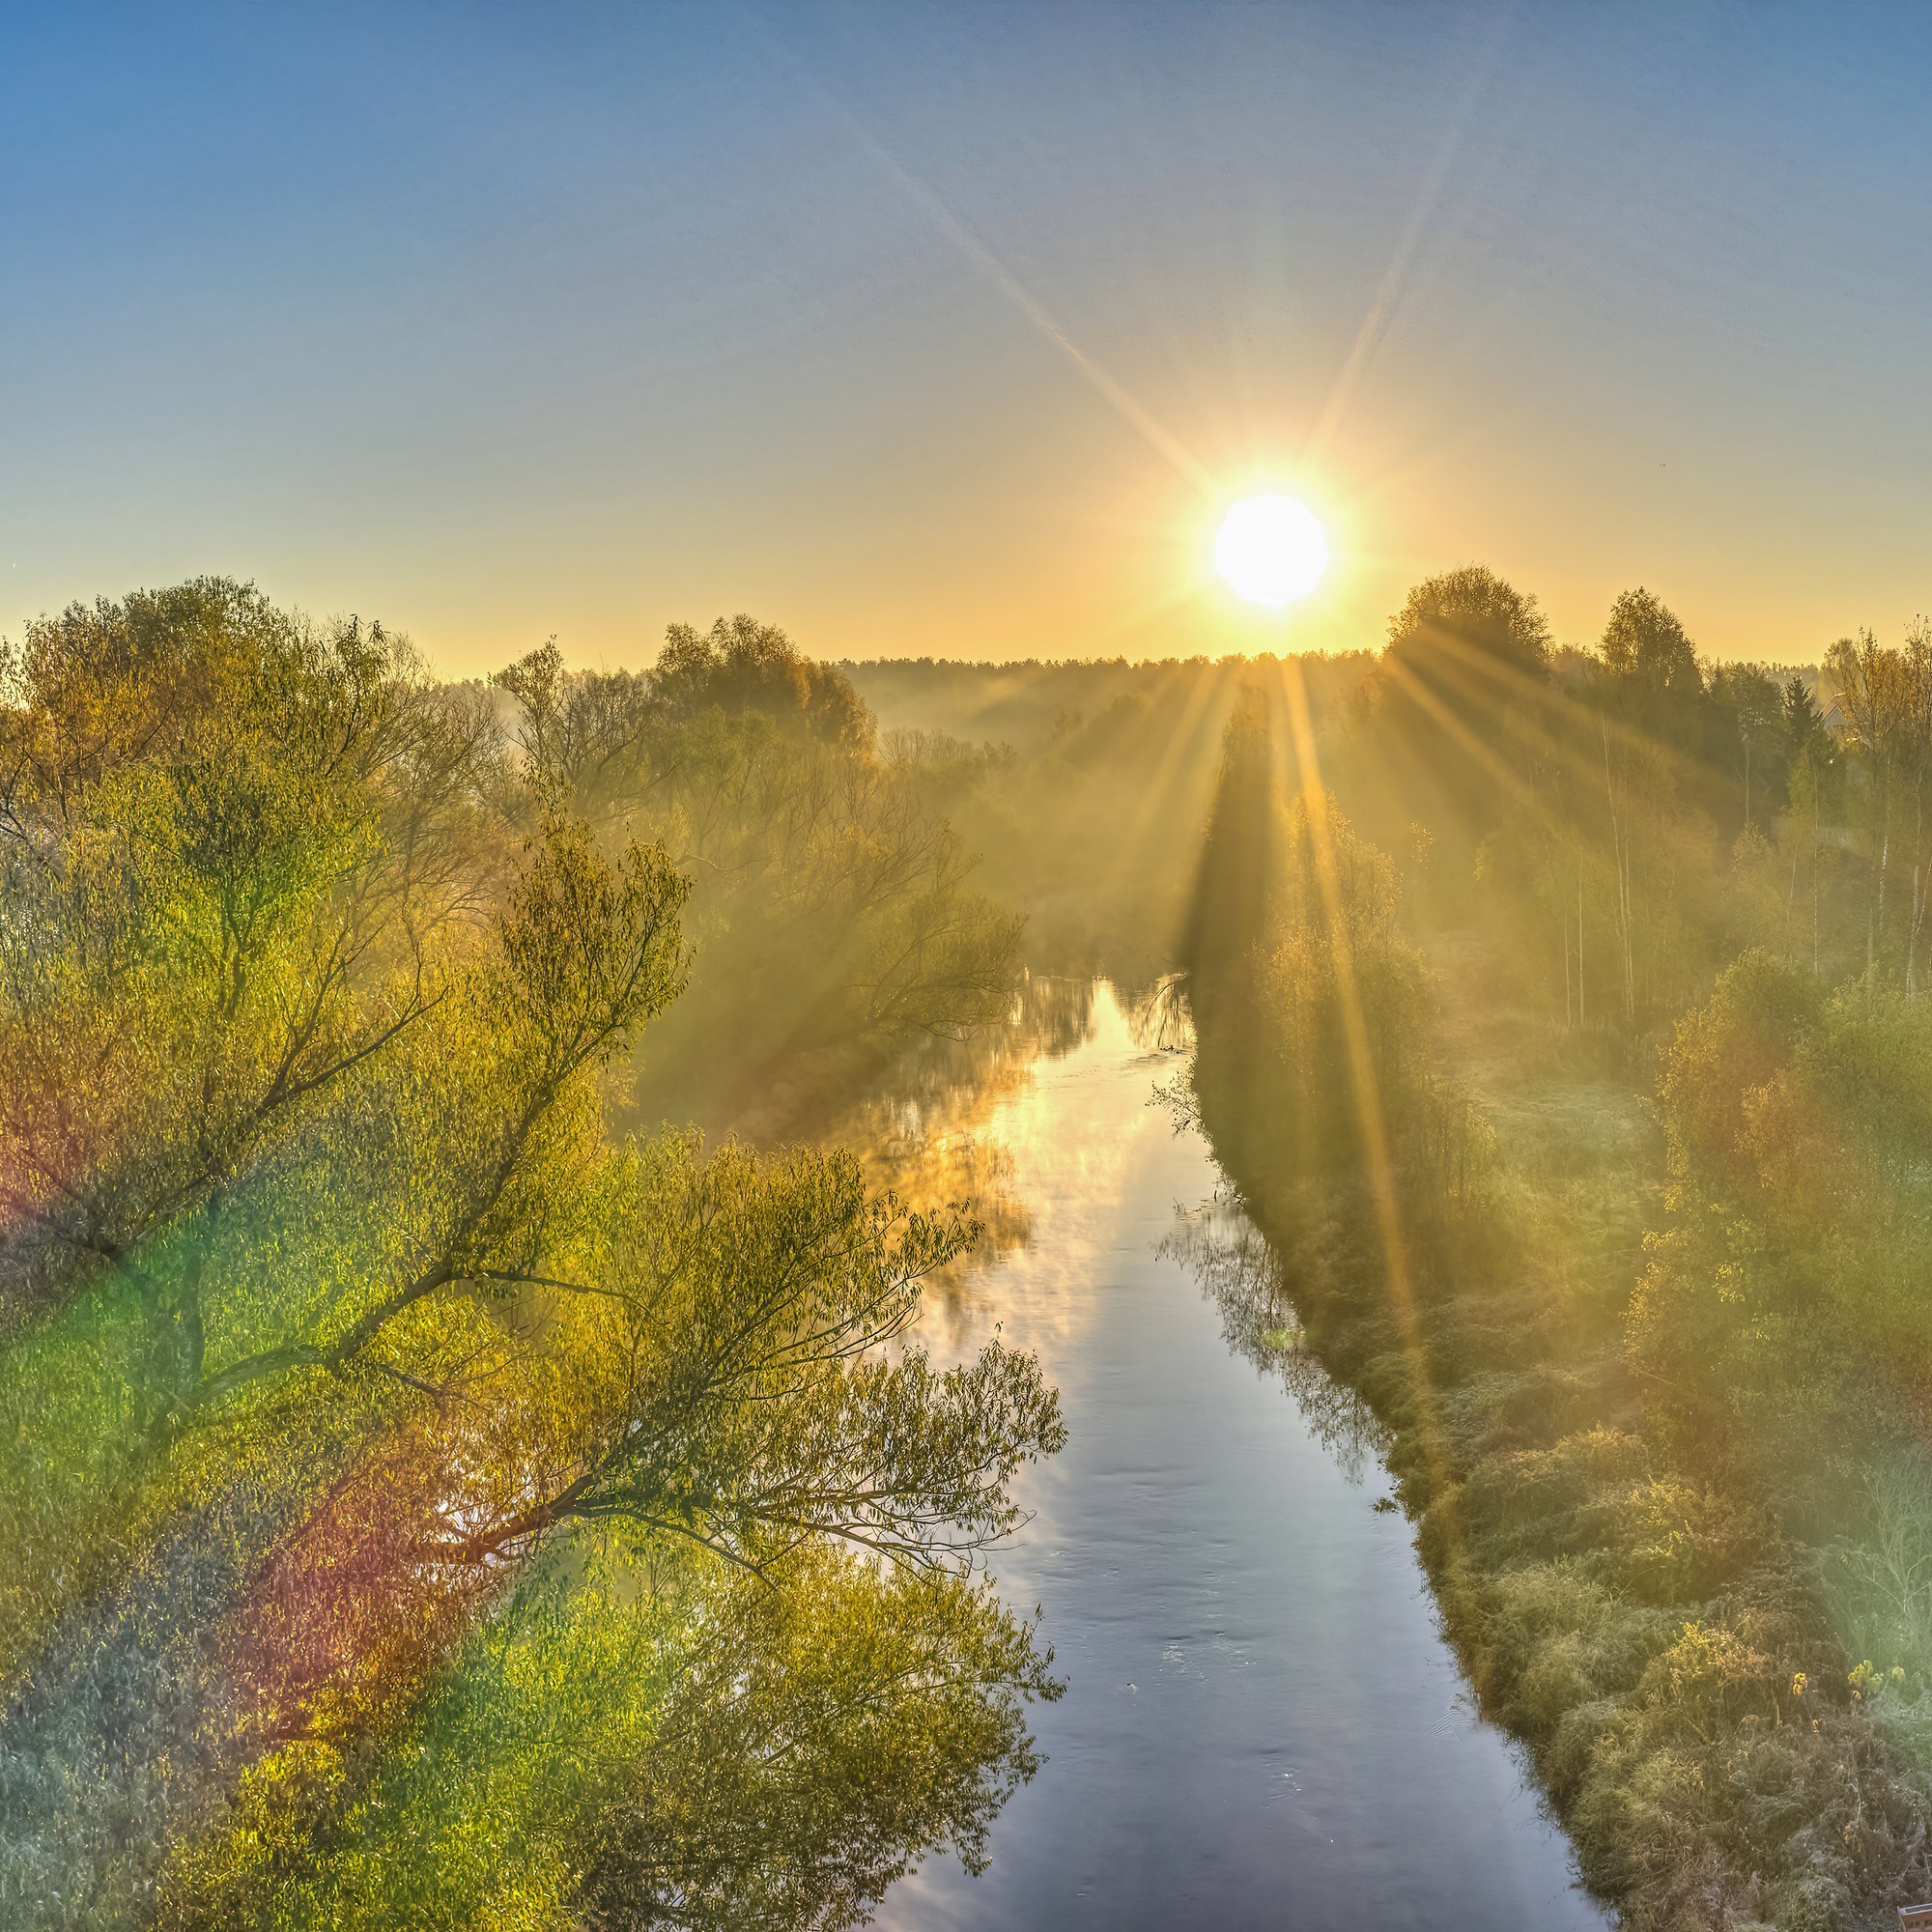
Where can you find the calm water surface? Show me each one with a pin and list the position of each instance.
(1262, 1724)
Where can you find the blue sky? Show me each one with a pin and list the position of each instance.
(949, 328)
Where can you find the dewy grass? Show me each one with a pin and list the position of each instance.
(1632, 1608)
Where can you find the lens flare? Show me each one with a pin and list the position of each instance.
(1270, 550)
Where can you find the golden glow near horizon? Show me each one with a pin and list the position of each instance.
(1271, 549)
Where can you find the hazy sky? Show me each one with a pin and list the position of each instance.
(948, 329)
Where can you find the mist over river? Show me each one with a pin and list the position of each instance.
(1262, 1726)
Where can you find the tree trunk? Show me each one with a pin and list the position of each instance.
(1569, 1000)
(1582, 1012)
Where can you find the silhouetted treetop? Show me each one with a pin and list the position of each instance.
(740, 665)
(1646, 650)
(1468, 615)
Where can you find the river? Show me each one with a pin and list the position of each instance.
(1262, 1726)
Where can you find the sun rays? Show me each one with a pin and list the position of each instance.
(1298, 763)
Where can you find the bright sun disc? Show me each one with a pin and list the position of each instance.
(1270, 550)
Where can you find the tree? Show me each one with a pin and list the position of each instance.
(1882, 695)
(1469, 622)
(1654, 678)
(337, 1315)
(1462, 698)
(833, 909)
(1750, 708)
(1804, 724)
(740, 665)
(1811, 774)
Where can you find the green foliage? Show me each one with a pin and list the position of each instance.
(831, 914)
(823, 1739)
(427, 1506)
(1459, 695)
(1652, 667)
(1634, 1469)
(1469, 617)
(393, 1454)
(1296, 934)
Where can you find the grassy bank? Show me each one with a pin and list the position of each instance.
(1479, 1217)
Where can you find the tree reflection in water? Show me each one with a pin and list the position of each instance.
(925, 1135)
(1240, 1273)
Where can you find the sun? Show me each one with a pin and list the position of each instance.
(1271, 549)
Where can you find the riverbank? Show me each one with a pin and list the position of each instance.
(1636, 1614)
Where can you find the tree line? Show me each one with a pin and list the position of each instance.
(1559, 1022)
